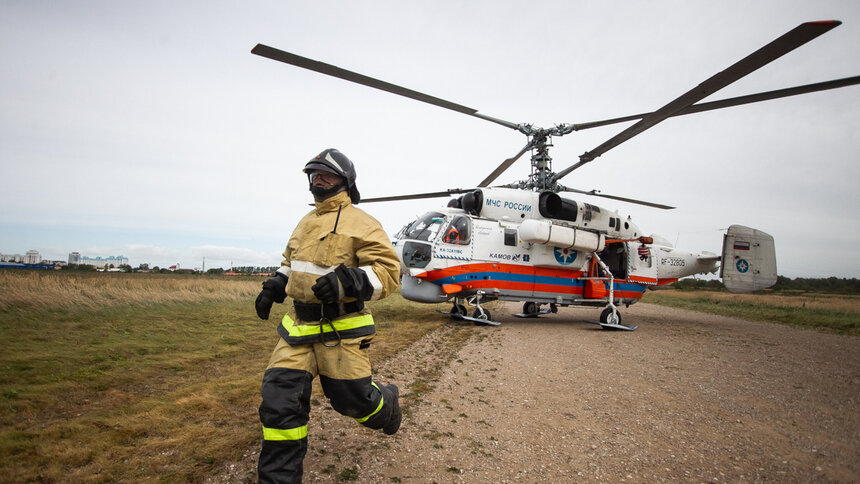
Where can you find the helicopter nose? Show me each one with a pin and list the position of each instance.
(415, 289)
(398, 248)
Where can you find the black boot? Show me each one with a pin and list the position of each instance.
(393, 423)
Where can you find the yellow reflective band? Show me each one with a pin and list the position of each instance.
(299, 330)
(297, 433)
(378, 408)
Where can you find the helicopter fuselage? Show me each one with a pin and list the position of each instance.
(540, 247)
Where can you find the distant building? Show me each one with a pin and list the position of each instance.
(74, 258)
(31, 260)
(115, 261)
(31, 257)
(12, 258)
(176, 268)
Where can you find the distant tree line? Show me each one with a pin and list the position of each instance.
(79, 268)
(254, 269)
(828, 285)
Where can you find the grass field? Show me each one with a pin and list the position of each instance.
(155, 378)
(828, 312)
(136, 378)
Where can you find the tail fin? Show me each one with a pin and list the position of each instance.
(749, 260)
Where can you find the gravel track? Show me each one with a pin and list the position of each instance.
(687, 397)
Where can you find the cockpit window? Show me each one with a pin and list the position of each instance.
(425, 228)
(458, 231)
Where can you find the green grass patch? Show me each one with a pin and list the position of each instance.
(826, 313)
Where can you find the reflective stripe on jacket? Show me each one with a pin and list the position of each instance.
(334, 233)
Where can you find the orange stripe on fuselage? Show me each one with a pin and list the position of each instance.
(539, 288)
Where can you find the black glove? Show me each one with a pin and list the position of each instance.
(343, 282)
(328, 288)
(274, 291)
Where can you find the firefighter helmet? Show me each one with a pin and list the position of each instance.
(333, 161)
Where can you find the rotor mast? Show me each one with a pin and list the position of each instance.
(542, 178)
(541, 163)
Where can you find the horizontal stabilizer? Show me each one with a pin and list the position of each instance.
(749, 260)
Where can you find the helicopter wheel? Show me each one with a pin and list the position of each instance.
(610, 317)
(458, 309)
(481, 313)
(530, 307)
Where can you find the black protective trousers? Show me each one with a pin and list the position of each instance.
(345, 376)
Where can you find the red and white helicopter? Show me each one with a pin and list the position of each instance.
(526, 242)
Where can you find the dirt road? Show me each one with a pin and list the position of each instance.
(687, 397)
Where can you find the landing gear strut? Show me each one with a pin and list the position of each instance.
(481, 316)
(610, 318)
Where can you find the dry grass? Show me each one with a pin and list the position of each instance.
(141, 378)
(66, 290)
(829, 312)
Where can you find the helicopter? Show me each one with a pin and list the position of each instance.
(529, 242)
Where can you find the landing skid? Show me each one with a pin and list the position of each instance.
(612, 326)
(476, 320)
(462, 317)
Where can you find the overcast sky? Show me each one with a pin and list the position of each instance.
(149, 130)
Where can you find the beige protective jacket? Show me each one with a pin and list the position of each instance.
(323, 240)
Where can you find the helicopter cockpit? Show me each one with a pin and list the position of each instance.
(428, 226)
(415, 240)
(425, 227)
(418, 237)
(458, 231)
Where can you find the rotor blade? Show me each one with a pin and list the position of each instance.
(328, 69)
(504, 166)
(416, 196)
(787, 42)
(734, 101)
(595, 193)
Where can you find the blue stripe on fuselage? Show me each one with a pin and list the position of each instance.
(479, 276)
(528, 279)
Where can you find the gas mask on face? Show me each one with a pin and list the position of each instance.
(321, 193)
